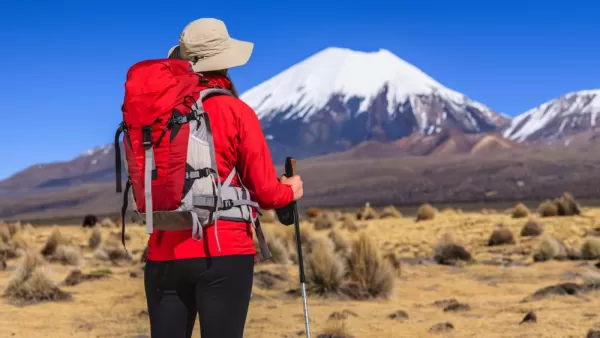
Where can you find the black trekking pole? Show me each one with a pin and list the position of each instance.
(290, 170)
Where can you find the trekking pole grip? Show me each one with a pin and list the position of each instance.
(290, 167)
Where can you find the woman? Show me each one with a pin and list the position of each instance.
(184, 276)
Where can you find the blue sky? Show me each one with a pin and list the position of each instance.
(63, 63)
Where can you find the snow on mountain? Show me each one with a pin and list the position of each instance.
(339, 97)
(306, 87)
(572, 113)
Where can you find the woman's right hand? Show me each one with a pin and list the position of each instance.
(297, 186)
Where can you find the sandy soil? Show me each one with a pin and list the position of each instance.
(115, 306)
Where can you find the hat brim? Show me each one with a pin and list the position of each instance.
(236, 54)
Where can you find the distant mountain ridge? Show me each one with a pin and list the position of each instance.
(340, 109)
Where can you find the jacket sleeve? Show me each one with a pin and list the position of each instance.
(255, 165)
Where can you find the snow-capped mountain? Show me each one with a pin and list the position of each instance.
(338, 98)
(567, 115)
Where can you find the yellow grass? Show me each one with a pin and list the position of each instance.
(113, 306)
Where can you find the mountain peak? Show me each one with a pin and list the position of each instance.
(307, 87)
(571, 113)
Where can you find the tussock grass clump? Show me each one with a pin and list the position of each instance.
(349, 224)
(340, 243)
(31, 283)
(532, 228)
(390, 212)
(19, 241)
(268, 216)
(56, 238)
(107, 222)
(67, 255)
(335, 329)
(520, 211)
(324, 221)
(95, 239)
(324, 270)
(370, 275)
(548, 249)
(548, 209)
(278, 249)
(366, 213)
(501, 236)
(426, 212)
(448, 251)
(314, 212)
(112, 250)
(567, 205)
(591, 248)
(4, 233)
(15, 227)
(395, 262)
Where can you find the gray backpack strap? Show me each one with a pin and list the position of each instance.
(149, 166)
(203, 117)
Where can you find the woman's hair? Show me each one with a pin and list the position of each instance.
(225, 73)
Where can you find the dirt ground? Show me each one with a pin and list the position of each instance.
(494, 287)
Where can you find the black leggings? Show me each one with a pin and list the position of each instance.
(216, 288)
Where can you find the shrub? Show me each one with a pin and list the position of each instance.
(13, 228)
(268, 216)
(108, 223)
(278, 249)
(591, 248)
(501, 236)
(56, 238)
(314, 212)
(550, 248)
(67, 255)
(366, 213)
(349, 224)
(324, 270)
(95, 239)
(31, 283)
(112, 250)
(4, 233)
(340, 243)
(548, 209)
(532, 228)
(520, 211)
(370, 275)
(323, 221)
(426, 212)
(567, 205)
(448, 252)
(335, 329)
(390, 212)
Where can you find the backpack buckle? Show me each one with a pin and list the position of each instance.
(227, 204)
(147, 136)
(205, 172)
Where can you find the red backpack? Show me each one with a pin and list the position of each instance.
(169, 153)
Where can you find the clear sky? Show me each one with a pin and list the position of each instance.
(63, 63)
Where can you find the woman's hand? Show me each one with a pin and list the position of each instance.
(297, 186)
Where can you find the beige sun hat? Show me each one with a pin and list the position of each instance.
(207, 45)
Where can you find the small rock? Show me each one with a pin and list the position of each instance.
(400, 315)
(457, 307)
(530, 317)
(593, 334)
(341, 315)
(444, 302)
(134, 274)
(441, 327)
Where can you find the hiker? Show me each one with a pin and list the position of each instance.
(213, 276)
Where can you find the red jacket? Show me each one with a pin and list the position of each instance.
(239, 142)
